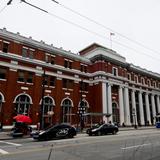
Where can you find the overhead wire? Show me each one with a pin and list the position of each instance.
(3, 9)
(8, 3)
(105, 27)
(79, 26)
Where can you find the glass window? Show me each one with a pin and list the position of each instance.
(52, 60)
(66, 111)
(24, 52)
(5, 47)
(22, 105)
(65, 63)
(114, 71)
(47, 58)
(21, 76)
(52, 81)
(48, 105)
(64, 83)
(46, 80)
(31, 54)
(30, 77)
(3, 73)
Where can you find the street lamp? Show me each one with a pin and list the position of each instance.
(42, 103)
(81, 108)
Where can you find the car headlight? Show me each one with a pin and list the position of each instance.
(94, 130)
(41, 132)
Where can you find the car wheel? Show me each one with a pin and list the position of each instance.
(114, 132)
(90, 134)
(99, 133)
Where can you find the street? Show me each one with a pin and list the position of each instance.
(126, 145)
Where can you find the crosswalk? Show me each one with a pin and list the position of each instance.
(2, 151)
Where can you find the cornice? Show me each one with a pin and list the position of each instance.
(41, 45)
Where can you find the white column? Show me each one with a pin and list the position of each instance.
(109, 102)
(141, 111)
(121, 105)
(147, 108)
(134, 107)
(126, 109)
(158, 103)
(153, 108)
(104, 101)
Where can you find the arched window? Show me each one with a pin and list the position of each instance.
(48, 105)
(66, 110)
(22, 105)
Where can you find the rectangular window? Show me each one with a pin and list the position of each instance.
(47, 58)
(21, 76)
(27, 53)
(45, 80)
(67, 83)
(114, 71)
(52, 81)
(83, 68)
(64, 83)
(5, 47)
(65, 63)
(31, 54)
(68, 64)
(24, 52)
(52, 60)
(30, 77)
(136, 79)
(83, 86)
(3, 73)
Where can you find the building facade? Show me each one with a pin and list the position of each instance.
(55, 85)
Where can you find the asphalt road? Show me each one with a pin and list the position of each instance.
(126, 145)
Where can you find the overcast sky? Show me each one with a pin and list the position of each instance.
(137, 20)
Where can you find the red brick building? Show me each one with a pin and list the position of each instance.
(39, 79)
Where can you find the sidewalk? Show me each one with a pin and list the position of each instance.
(5, 133)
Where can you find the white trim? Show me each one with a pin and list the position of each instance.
(50, 98)
(2, 97)
(84, 100)
(65, 99)
(23, 94)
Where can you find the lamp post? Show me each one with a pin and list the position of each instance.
(42, 103)
(134, 117)
(81, 108)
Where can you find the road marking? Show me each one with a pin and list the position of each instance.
(3, 151)
(130, 147)
(14, 144)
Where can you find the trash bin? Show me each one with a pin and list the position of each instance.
(157, 124)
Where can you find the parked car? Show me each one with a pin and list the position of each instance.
(20, 129)
(102, 129)
(55, 132)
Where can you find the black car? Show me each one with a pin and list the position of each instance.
(55, 132)
(102, 129)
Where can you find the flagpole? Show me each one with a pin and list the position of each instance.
(110, 40)
(111, 34)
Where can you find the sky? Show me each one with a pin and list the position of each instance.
(75, 24)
